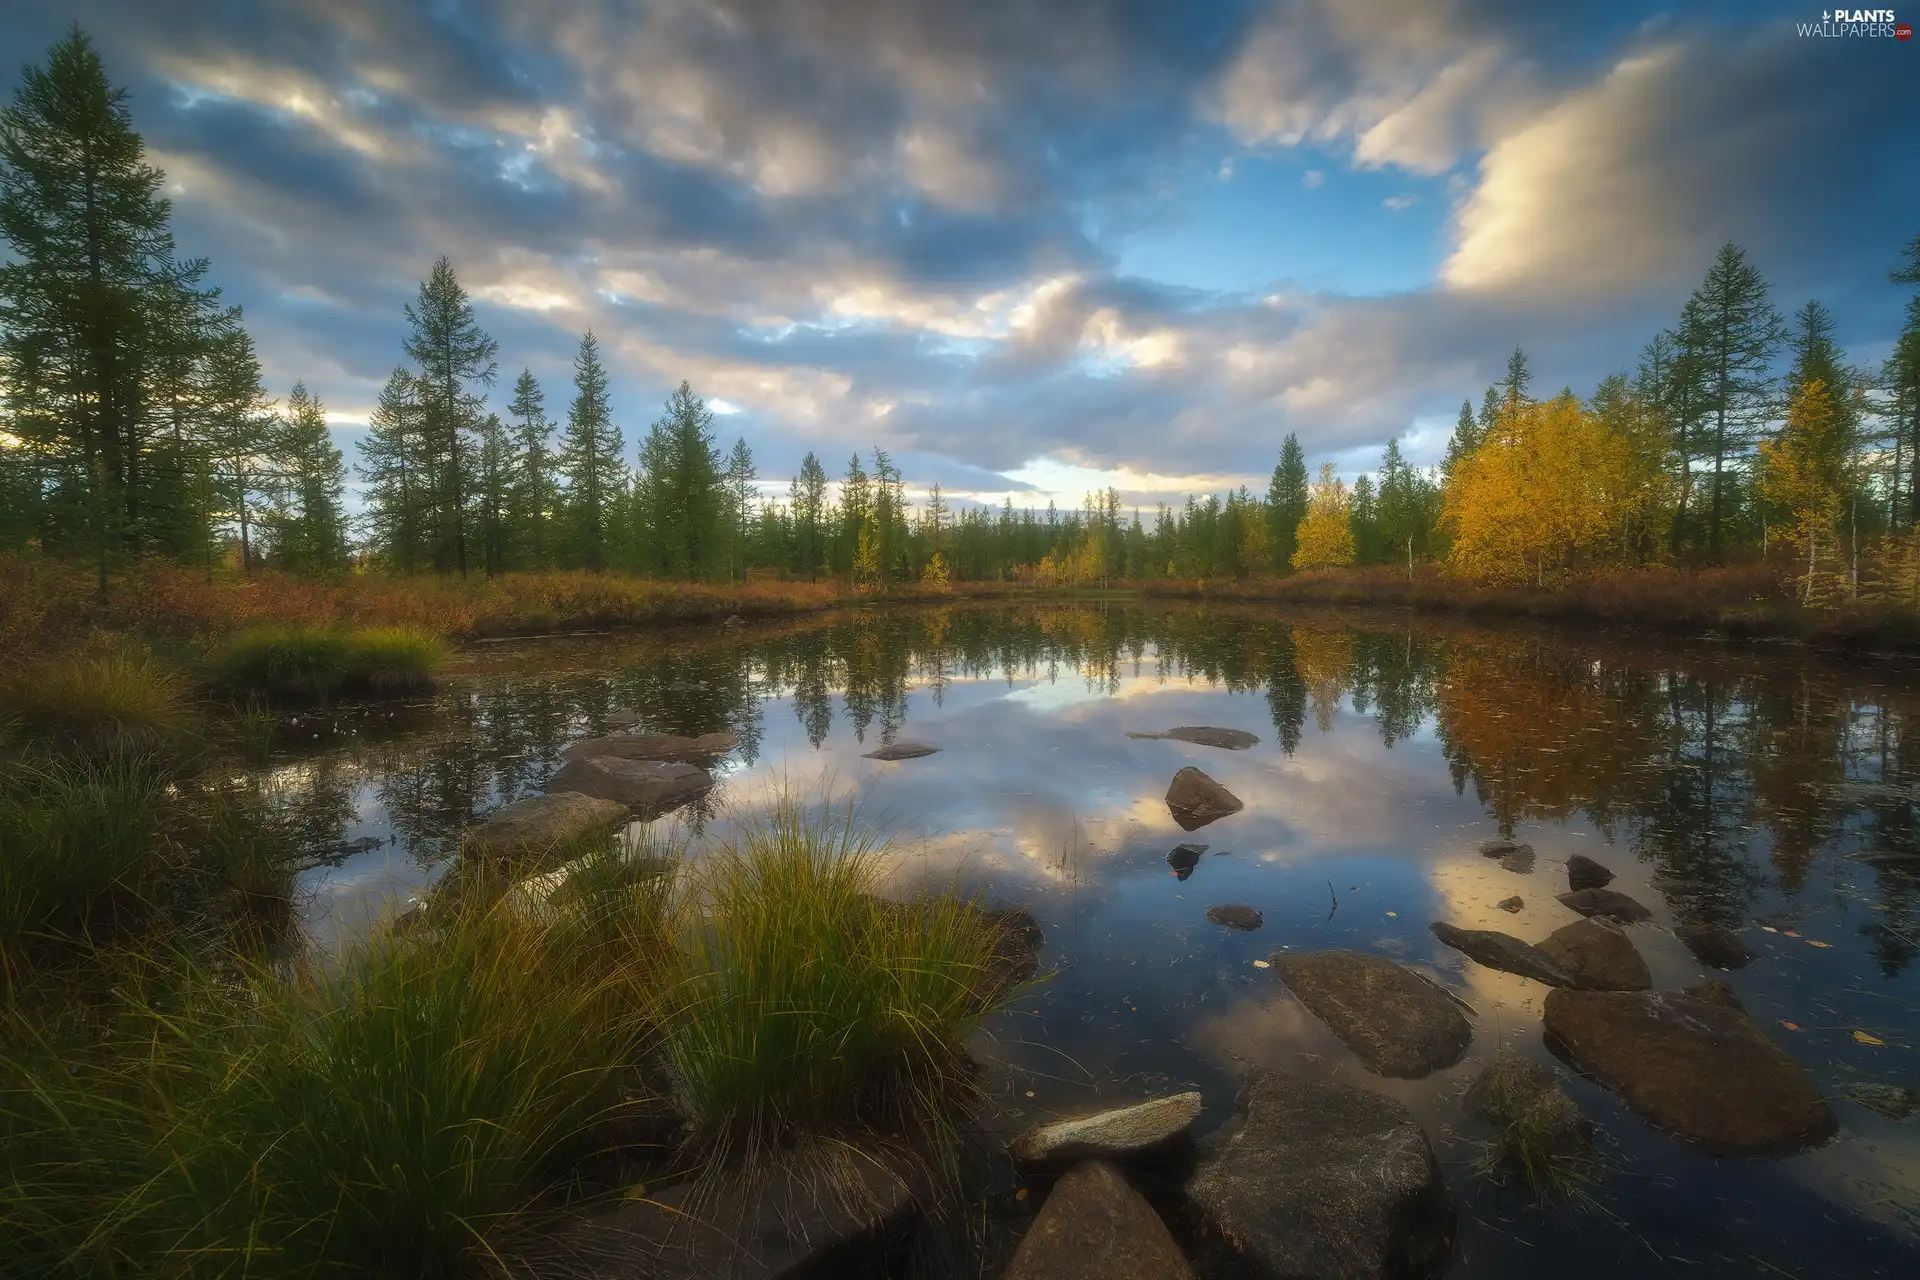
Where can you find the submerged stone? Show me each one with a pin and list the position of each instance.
(1697, 1068)
(1184, 858)
(647, 787)
(1119, 1133)
(1316, 1178)
(902, 751)
(1394, 1020)
(1236, 915)
(541, 822)
(1503, 951)
(1094, 1226)
(1517, 1094)
(1605, 902)
(1714, 946)
(653, 746)
(1194, 799)
(1511, 905)
(1207, 736)
(1894, 1101)
(1599, 958)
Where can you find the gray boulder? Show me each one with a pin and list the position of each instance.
(653, 746)
(1194, 799)
(1584, 873)
(1605, 902)
(648, 788)
(1515, 855)
(1207, 736)
(1503, 951)
(1396, 1021)
(1714, 946)
(1695, 1067)
(543, 822)
(902, 751)
(1120, 1133)
(1235, 915)
(1599, 958)
(1096, 1227)
(1319, 1179)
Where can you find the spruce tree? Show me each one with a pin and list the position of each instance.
(1287, 500)
(530, 500)
(307, 521)
(240, 435)
(494, 475)
(1901, 377)
(589, 460)
(455, 360)
(1738, 333)
(393, 465)
(684, 489)
(808, 503)
(1513, 388)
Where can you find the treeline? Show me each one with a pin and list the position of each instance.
(137, 423)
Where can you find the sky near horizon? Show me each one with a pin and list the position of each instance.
(1028, 247)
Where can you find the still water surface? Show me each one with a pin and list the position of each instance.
(1761, 788)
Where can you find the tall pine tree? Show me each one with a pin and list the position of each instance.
(1287, 500)
(455, 363)
(589, 460)
(307, 521)
(1738, 332)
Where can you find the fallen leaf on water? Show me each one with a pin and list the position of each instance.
(1021, 1194)
(1769, 928)
(1393, 913)
(1791, 1026)
(1029, 1093)
(1863, 1038)
(1261, 964)
(1815, 943)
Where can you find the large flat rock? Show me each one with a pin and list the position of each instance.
(1599, 958)
(1396, 1021)
(653, 746)
(1119, 1133)
(1696, 1067)
(1194, 799)
(1320, 1179)
(837, 1214)
(902, 751)
(648, 788)
(1713, 945)
(1505, 952)
(1096, 1227)
(543, 822)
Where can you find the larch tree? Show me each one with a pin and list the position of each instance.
(455, 364)
(1325, 536)
(307, 519)
(1738, 333)
(1901, 378)
(808, 503)
(494, 472)
(1287, 500)
(740, 489)
(1798, 474)
(685, 493)
(240, 435)
(589, 459)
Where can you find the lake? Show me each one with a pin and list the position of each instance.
(1767, 789)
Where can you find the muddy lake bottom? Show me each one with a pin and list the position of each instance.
(1760, 788)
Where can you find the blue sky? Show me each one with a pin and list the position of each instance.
(1030, 246)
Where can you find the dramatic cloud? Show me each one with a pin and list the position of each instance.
(862, 222)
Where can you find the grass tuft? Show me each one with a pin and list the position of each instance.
(300, 665)
(806, 1003)
(78, 847)
(101, 706)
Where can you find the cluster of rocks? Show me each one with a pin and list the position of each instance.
(1309, 1178)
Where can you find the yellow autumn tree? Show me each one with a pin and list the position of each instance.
(1540, 498)
(1325, 539)
(1800, 472)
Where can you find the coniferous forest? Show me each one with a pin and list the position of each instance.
(138, 425)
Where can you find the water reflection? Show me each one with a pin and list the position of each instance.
(1761, 790)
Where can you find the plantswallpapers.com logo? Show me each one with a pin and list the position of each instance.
(1869, 24)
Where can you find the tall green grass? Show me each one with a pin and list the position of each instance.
(806, 1003)
(414, 1112)
(301, 665)
(79, 846)
(100, 706)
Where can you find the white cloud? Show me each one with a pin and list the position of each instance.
(1312, 178)
(1397, 203)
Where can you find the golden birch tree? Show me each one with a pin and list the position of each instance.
(1799, 475)
(1325, 539)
